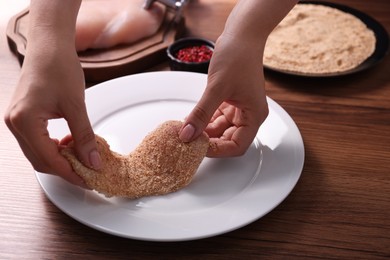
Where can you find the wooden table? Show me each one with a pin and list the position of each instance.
(340, 208)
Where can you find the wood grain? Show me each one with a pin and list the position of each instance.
(340, 208)
(105, 64)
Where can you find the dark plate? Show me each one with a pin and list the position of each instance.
(381, 47)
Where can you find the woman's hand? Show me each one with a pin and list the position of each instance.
(51, 86)
(234, 104)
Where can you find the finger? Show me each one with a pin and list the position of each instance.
(16, 119)
(49, 160)
(39, 148)
(83, 136)
(216, 114)
(55, 163)
(66, 140)
(234, 142)
(200, 116)
(217, 127)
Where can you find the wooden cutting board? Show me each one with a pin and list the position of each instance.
(105, 64)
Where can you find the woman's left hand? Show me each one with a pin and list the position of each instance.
(234, 103)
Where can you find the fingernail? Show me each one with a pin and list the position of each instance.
(95, 160)
(187, 133)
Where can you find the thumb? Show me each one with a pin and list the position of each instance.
(200, 116)
(84, 138)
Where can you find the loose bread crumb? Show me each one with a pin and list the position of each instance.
(317, 39)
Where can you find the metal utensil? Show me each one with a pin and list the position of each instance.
(176, 5)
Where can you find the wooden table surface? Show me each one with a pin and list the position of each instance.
(340, 208)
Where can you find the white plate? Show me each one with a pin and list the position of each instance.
(224, 195)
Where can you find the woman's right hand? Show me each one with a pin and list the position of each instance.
(52, 86)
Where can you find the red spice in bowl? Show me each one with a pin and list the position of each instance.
(200, 53)
(190, 54)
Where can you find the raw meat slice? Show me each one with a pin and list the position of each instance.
(107, 23)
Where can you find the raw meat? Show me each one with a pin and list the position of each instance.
(107, 23)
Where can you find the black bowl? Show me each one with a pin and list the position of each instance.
(179, 65)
